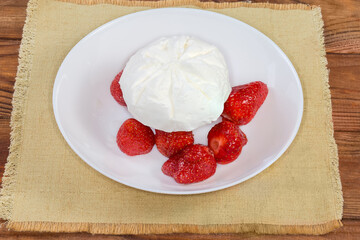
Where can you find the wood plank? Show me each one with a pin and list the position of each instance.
(12, 18)
(345, 88)
(4, 143)
(9, 50)
(349, 162)
(14, 3)
(342, 35)
(344, 68)
(350, 231)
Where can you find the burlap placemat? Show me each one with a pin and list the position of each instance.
(47, 187)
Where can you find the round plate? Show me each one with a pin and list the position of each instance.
(89, 118)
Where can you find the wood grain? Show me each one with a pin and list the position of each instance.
(12, 17)
(4, 142)
(349, 154)
(345, 88)
(342, 40)
(9, 51)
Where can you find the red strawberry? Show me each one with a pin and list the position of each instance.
(226, 140)
(194, 164)
(116, 90)
(244, 101)
(170, 143)
(170, 166)
(134, 138)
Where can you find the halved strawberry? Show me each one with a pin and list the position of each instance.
(194, 164)
(244, 101)
(226, 140)
(134, 138)
(170, 143)
(115, 90)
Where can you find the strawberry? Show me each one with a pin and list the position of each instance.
(170, 166)
(194, 164)
(244, 101)
(170, 143)
(134, 138)
(226, 140)
(115, 90)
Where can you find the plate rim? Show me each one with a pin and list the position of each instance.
(172, 192)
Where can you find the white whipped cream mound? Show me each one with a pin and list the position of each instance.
(176, 83)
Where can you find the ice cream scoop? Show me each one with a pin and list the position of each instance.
(176, 83)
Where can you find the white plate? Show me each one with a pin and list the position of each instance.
(89, 118)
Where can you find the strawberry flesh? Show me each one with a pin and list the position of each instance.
(226, 140)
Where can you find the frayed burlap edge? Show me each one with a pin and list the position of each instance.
(18, 103)
(113, 228)
(333, 151)
(197, 3)
(22, 82)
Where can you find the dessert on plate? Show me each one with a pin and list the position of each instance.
(175, 85)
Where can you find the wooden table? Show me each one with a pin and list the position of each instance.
(342, 38)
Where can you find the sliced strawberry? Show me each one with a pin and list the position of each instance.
(226, 140)
(134, 138)
(244, 101)
(194, 164)
(170, 143)
(115, 90)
